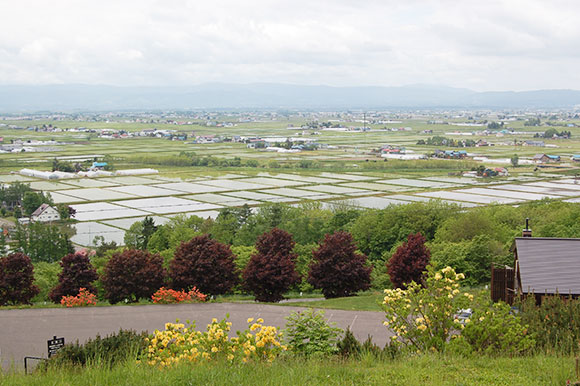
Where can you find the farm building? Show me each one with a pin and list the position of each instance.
(544, 158)
(542, 267)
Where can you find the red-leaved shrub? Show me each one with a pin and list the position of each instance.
(77, 272)
(16, 279)
(409, 261)
(205, 264)
(271, 270)
(337, 269)
(132, 275)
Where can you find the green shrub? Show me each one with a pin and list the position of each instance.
(349, 346)
(498, 331)
(108, 351)
(45, 278)
(555, 323)
(308, 333)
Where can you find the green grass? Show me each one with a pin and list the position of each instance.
(430, 369)
(363, 302)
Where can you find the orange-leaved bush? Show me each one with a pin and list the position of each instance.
(169, 296)
(132, 275)
(205, 264)
(271, 271)
(83, 299)
(337, 269)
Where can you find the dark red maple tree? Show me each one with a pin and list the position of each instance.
(133, 274)
(337, 269)
(271, 271)
(77, 272)
(204, 263)
(409, 261)
(16, 279)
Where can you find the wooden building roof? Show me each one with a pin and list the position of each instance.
(548, 265)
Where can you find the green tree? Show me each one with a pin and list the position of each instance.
(43, 242)
(515, 160)
(32, 200)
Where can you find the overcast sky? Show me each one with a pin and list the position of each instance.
(482, 45)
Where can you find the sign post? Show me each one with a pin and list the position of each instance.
(54, 345)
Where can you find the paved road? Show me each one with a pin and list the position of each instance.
(25, 332)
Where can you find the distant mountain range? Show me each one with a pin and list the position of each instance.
(67, 98)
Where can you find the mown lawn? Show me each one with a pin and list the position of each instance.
(362, 302)
(430, 369)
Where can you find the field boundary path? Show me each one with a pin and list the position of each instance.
(25, 332)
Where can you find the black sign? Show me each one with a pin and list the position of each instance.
(54, 345)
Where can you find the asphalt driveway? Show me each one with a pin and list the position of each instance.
(25, 332)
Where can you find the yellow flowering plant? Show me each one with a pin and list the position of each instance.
(422, 316)
(183, 343)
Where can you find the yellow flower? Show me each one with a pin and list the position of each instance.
(214, 320)
(250, 320)
(438, 276)
(422, 327)
(214, 349)
(260, 320)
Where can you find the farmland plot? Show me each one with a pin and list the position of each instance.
(418, 183)
(125, 223)
(509, 194)
(233, 184)
(165, 205)
(191, 187)
(252, 195)
(96, 194)
(145, 190)
(466, 197)
(87, 231)
(103, 211)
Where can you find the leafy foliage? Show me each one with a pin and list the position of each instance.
(12, 194)
(271, 271)
(422, 315)
(378, 231)
(409, 261)
(43, 242)
(16, 279)
(139, 233)
(132, 275)
(32, 200)
(204, 263)
(555, 323)
(337, 268)
(473, 258)
(46, 278)
(308, 333)
(496, 331)
(107, 351)
(77, 272)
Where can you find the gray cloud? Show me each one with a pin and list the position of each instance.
(491, 45)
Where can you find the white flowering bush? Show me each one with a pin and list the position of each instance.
(422, 316)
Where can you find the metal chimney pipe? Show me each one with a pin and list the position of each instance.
(527, 232)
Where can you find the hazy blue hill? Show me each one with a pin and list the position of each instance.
(266, 95)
